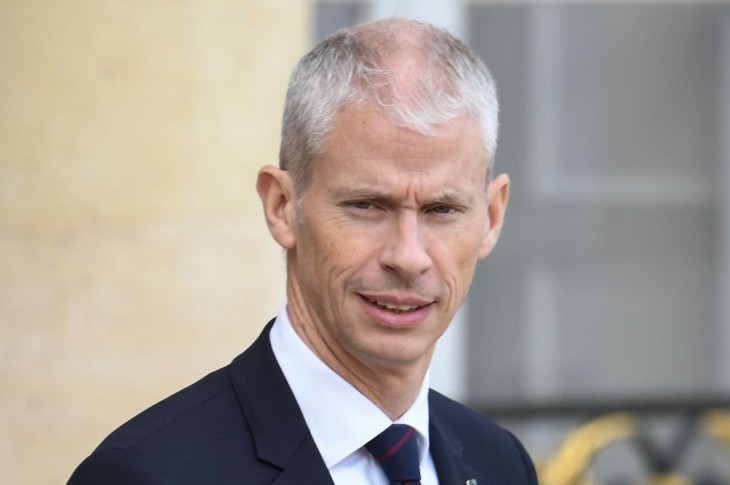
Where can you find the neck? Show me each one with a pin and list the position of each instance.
(393, 393)
(392, 386)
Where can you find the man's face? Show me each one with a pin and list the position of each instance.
(390, 228)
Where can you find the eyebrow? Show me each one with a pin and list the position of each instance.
(364, 193)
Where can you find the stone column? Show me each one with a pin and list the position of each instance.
(133, 254)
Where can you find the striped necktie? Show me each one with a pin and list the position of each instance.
(396, 451)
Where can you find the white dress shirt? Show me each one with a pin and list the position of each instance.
(340, 418)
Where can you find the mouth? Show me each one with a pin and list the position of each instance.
(397, 303)
(397, 311)
(395, 307)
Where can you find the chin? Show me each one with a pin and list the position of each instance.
(399, 351)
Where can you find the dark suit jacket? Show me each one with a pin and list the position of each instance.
(242, 425)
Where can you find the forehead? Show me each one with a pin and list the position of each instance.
(365, 140)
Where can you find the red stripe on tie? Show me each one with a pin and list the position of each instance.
(394, 449)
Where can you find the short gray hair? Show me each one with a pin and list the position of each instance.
(444, 80)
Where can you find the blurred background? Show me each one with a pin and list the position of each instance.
(134, 258)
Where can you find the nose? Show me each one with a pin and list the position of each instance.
(405, 251)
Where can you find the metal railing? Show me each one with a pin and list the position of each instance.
(605, 424)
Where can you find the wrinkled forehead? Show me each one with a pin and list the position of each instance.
(366, 126)
(366, 136)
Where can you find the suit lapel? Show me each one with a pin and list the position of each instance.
(280, 434)
(304, 468)
(446, 450)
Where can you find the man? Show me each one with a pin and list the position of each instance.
(384, 203)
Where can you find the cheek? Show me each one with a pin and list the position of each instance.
(458, 261)
(336, 256)
(463, 273)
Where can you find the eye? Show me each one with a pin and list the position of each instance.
(362, 205)
(442, 209)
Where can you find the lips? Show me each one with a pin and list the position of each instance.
(395, 307)
(397, 311)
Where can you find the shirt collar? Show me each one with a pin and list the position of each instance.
(340, 418)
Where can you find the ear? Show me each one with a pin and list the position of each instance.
(497, 198)
(276, 189)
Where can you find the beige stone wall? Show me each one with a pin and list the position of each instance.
(133, 256)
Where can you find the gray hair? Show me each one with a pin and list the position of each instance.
(420, 75)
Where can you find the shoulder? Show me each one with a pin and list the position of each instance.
(483, 440)
(174, 438)
(465, 421)
(117, 466)
(176, 413)
(200, 434)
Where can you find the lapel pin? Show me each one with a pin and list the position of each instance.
(471, 481)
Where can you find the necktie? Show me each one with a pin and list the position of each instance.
(396, 451)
